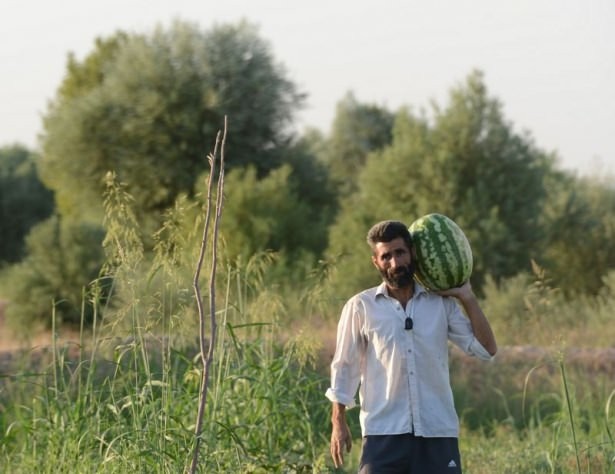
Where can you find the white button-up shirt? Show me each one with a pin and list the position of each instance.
(403, 374)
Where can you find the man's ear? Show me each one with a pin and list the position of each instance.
(374, 261)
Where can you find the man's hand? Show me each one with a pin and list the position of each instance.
(340, 435)
(340, 438)
(461, 292)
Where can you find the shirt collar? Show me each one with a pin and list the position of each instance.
(381, 290)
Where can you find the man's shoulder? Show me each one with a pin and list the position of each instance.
(370, 293)
(366, 296)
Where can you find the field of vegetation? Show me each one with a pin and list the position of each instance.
(122, 395)
(113, 405)
(107, 320)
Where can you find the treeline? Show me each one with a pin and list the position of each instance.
(138, 116)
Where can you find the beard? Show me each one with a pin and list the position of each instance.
(400, 277)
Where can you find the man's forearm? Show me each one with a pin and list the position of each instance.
(480, 325)
(338, 412)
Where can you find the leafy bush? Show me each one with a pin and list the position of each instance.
(63, 259)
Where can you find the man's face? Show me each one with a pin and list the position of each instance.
(394, 262)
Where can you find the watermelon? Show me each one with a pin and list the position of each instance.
(444, 255)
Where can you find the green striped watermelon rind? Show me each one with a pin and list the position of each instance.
(444, 255)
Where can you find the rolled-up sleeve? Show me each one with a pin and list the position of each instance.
(349, 355)
(461, 333)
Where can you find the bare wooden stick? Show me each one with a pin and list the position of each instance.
(207, 359)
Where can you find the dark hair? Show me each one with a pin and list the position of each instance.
(387, 231)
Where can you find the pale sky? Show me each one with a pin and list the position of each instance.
(550, 63)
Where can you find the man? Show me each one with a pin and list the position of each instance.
(392, 342)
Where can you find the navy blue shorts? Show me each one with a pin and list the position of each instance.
(409, 454)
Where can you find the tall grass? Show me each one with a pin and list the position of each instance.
(544, 404)
(130, 405)
(123, 398)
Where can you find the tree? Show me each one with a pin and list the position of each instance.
(84, 76)
(465, 162)
(311, 183)
(498, 178)
(24, 200)
(149, 106)
(357, 130)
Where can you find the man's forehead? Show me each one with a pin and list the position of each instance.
(383, 247)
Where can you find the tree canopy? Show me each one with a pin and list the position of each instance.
(148, 107)
(466, 162)
(357, 130)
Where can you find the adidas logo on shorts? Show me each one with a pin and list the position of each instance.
(452, 463)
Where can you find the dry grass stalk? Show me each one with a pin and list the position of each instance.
(207, 359)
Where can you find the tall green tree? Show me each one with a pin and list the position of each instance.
(357, 130)
(24, 200)
(465, 161)
(148, 106)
